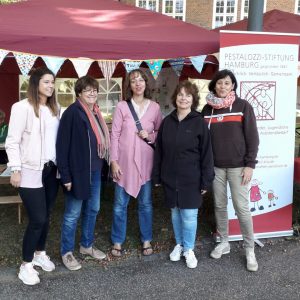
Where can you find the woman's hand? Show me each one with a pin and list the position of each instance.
(68, 186)
(115, 170)
(203, 192)
(247, 175)
(15, 179)
(143, 134)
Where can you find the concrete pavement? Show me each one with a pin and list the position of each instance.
(156, 277)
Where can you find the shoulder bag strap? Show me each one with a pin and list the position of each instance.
(138, 123)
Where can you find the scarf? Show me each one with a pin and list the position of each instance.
(100, 130)
(218, 103)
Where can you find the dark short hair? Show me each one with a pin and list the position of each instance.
(190, 88)
(220, 75)
(85, 81)
(128, 91)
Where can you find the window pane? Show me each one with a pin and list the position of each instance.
(67, 86)
(179, 6)
(23, 95)
(24, 86)
(65, 99)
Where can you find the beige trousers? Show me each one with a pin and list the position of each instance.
(240, 201)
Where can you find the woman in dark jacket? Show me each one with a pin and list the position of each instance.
(82, 145)
(183, 164)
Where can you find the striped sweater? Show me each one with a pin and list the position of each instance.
(234, 134)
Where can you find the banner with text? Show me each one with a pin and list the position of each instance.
(265, 65)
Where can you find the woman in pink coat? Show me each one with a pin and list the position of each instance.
(132, 160)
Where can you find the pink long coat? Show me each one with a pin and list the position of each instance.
(133, 155)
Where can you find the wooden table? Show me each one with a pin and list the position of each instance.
(10, 199)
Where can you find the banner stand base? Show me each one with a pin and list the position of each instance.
(258, 236)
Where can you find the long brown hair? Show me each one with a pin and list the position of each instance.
(132, 74)
(33, 91)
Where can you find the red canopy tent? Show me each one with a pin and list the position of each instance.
(273, 21)
(94, 29)
(99, 29)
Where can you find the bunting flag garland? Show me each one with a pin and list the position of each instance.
(131, 65)
(81, 65)
(177, 65)
(3, 54)
(198, 62)
(107, 67)
(155, 66)
(25, 62)
(53, 63)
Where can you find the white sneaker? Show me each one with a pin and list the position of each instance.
(176, 253)
(252, 264)
(28, 274)
(42, 260)
(222, 248)
(71, 262)
(190, 259)
(93, 252)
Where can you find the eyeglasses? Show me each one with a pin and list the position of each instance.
(90, 91)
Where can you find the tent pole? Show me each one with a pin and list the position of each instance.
(255, 16)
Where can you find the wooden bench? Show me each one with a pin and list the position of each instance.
(10, 199)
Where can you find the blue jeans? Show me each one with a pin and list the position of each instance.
(185, 226)
(73, 209)
(121, 200)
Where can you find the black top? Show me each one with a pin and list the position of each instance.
(234, 134)
(183, 161)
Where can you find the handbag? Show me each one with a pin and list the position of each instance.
(138, 123)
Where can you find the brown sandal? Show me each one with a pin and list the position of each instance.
(147, 251)
(116, 252)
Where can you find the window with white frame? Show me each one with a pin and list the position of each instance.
(224, 12)
(174, 8)
(245, 8)
(148, 4)
(110, 92)
(297, 7)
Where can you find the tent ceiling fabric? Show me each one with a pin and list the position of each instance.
(99, 29)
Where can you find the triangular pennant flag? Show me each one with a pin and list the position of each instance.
(25, 62)
(53, 63)
(81, 65)
(198, 62)
(3, 53)
(131, 65)
(107, 67)
(177, 65)
(155, 66)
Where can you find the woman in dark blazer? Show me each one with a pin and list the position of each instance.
(183, 164)
(82, 146)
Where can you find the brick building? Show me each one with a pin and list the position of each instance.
(211, 13)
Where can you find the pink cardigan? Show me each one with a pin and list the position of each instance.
(133, 155)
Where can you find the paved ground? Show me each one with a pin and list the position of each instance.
(156, 277)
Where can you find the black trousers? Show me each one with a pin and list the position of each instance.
(38, 203)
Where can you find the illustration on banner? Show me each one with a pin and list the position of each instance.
(255, 195)
(261, 95)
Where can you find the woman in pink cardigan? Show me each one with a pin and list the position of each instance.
(132, 160)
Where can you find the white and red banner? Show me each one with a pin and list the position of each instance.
(265, 65)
